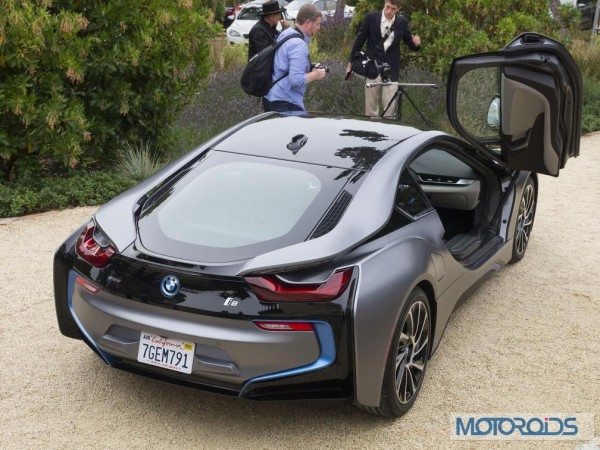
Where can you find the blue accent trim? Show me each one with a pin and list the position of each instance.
(72, 275)
(327, 355)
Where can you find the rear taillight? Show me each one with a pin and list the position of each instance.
(270, 288)
(86, 284)
(93, 246)
(284, 326)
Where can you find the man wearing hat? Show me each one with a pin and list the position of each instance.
(264, 32)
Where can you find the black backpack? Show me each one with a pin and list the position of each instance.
(256, 79)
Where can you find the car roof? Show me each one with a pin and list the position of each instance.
(336, 141)
(300, 2)
(260, 3)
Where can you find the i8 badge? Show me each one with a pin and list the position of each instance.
(169, 286)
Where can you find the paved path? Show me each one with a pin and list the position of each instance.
(527, 341)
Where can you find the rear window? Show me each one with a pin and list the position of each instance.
(233, 207)
(239, 203)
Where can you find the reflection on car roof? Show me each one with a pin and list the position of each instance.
(337, 141)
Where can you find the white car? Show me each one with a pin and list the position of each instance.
(238, 31)
(327, 7)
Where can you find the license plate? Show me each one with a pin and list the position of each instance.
(170, 354)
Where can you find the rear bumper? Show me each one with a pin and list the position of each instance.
(232, 356)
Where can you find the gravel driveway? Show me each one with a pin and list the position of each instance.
(527, 341)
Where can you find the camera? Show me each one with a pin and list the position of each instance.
(384, 70)
(319, 66)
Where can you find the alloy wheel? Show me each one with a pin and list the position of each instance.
(412, 353)
(525, 219)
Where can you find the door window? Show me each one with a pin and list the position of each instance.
(478, 103)
(250, 13)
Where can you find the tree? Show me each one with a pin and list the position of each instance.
(78, 76)
(451, 28)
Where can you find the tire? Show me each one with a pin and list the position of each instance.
(525, 217)
(409, 344)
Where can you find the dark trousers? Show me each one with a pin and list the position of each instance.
(279, 106)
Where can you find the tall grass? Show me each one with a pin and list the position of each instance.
(235, 56)
(335, 40)
(334, 95)
(138, 162)
(221, 103)
(587, 57)
(224, 56)
(216, 46)
(591, 105)
(181, 139)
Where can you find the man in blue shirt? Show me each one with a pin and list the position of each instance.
(292, 58)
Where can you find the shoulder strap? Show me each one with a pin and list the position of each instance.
(387, 35)
(279, 44)
(391, 29)
(287, 38)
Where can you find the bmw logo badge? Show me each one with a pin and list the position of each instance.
(169, 286)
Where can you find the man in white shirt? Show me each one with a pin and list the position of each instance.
(383, 31)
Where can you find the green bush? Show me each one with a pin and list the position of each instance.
(44, 194)
(41, 67)
(475, 26)
(78, 77)
(570, 16)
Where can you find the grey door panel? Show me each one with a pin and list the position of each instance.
(464, 197)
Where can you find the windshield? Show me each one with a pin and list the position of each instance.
(250, 13)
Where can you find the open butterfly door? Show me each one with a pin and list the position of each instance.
(521, 104)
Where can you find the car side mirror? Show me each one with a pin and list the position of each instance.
(493, 115)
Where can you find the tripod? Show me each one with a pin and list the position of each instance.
(401, 92)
